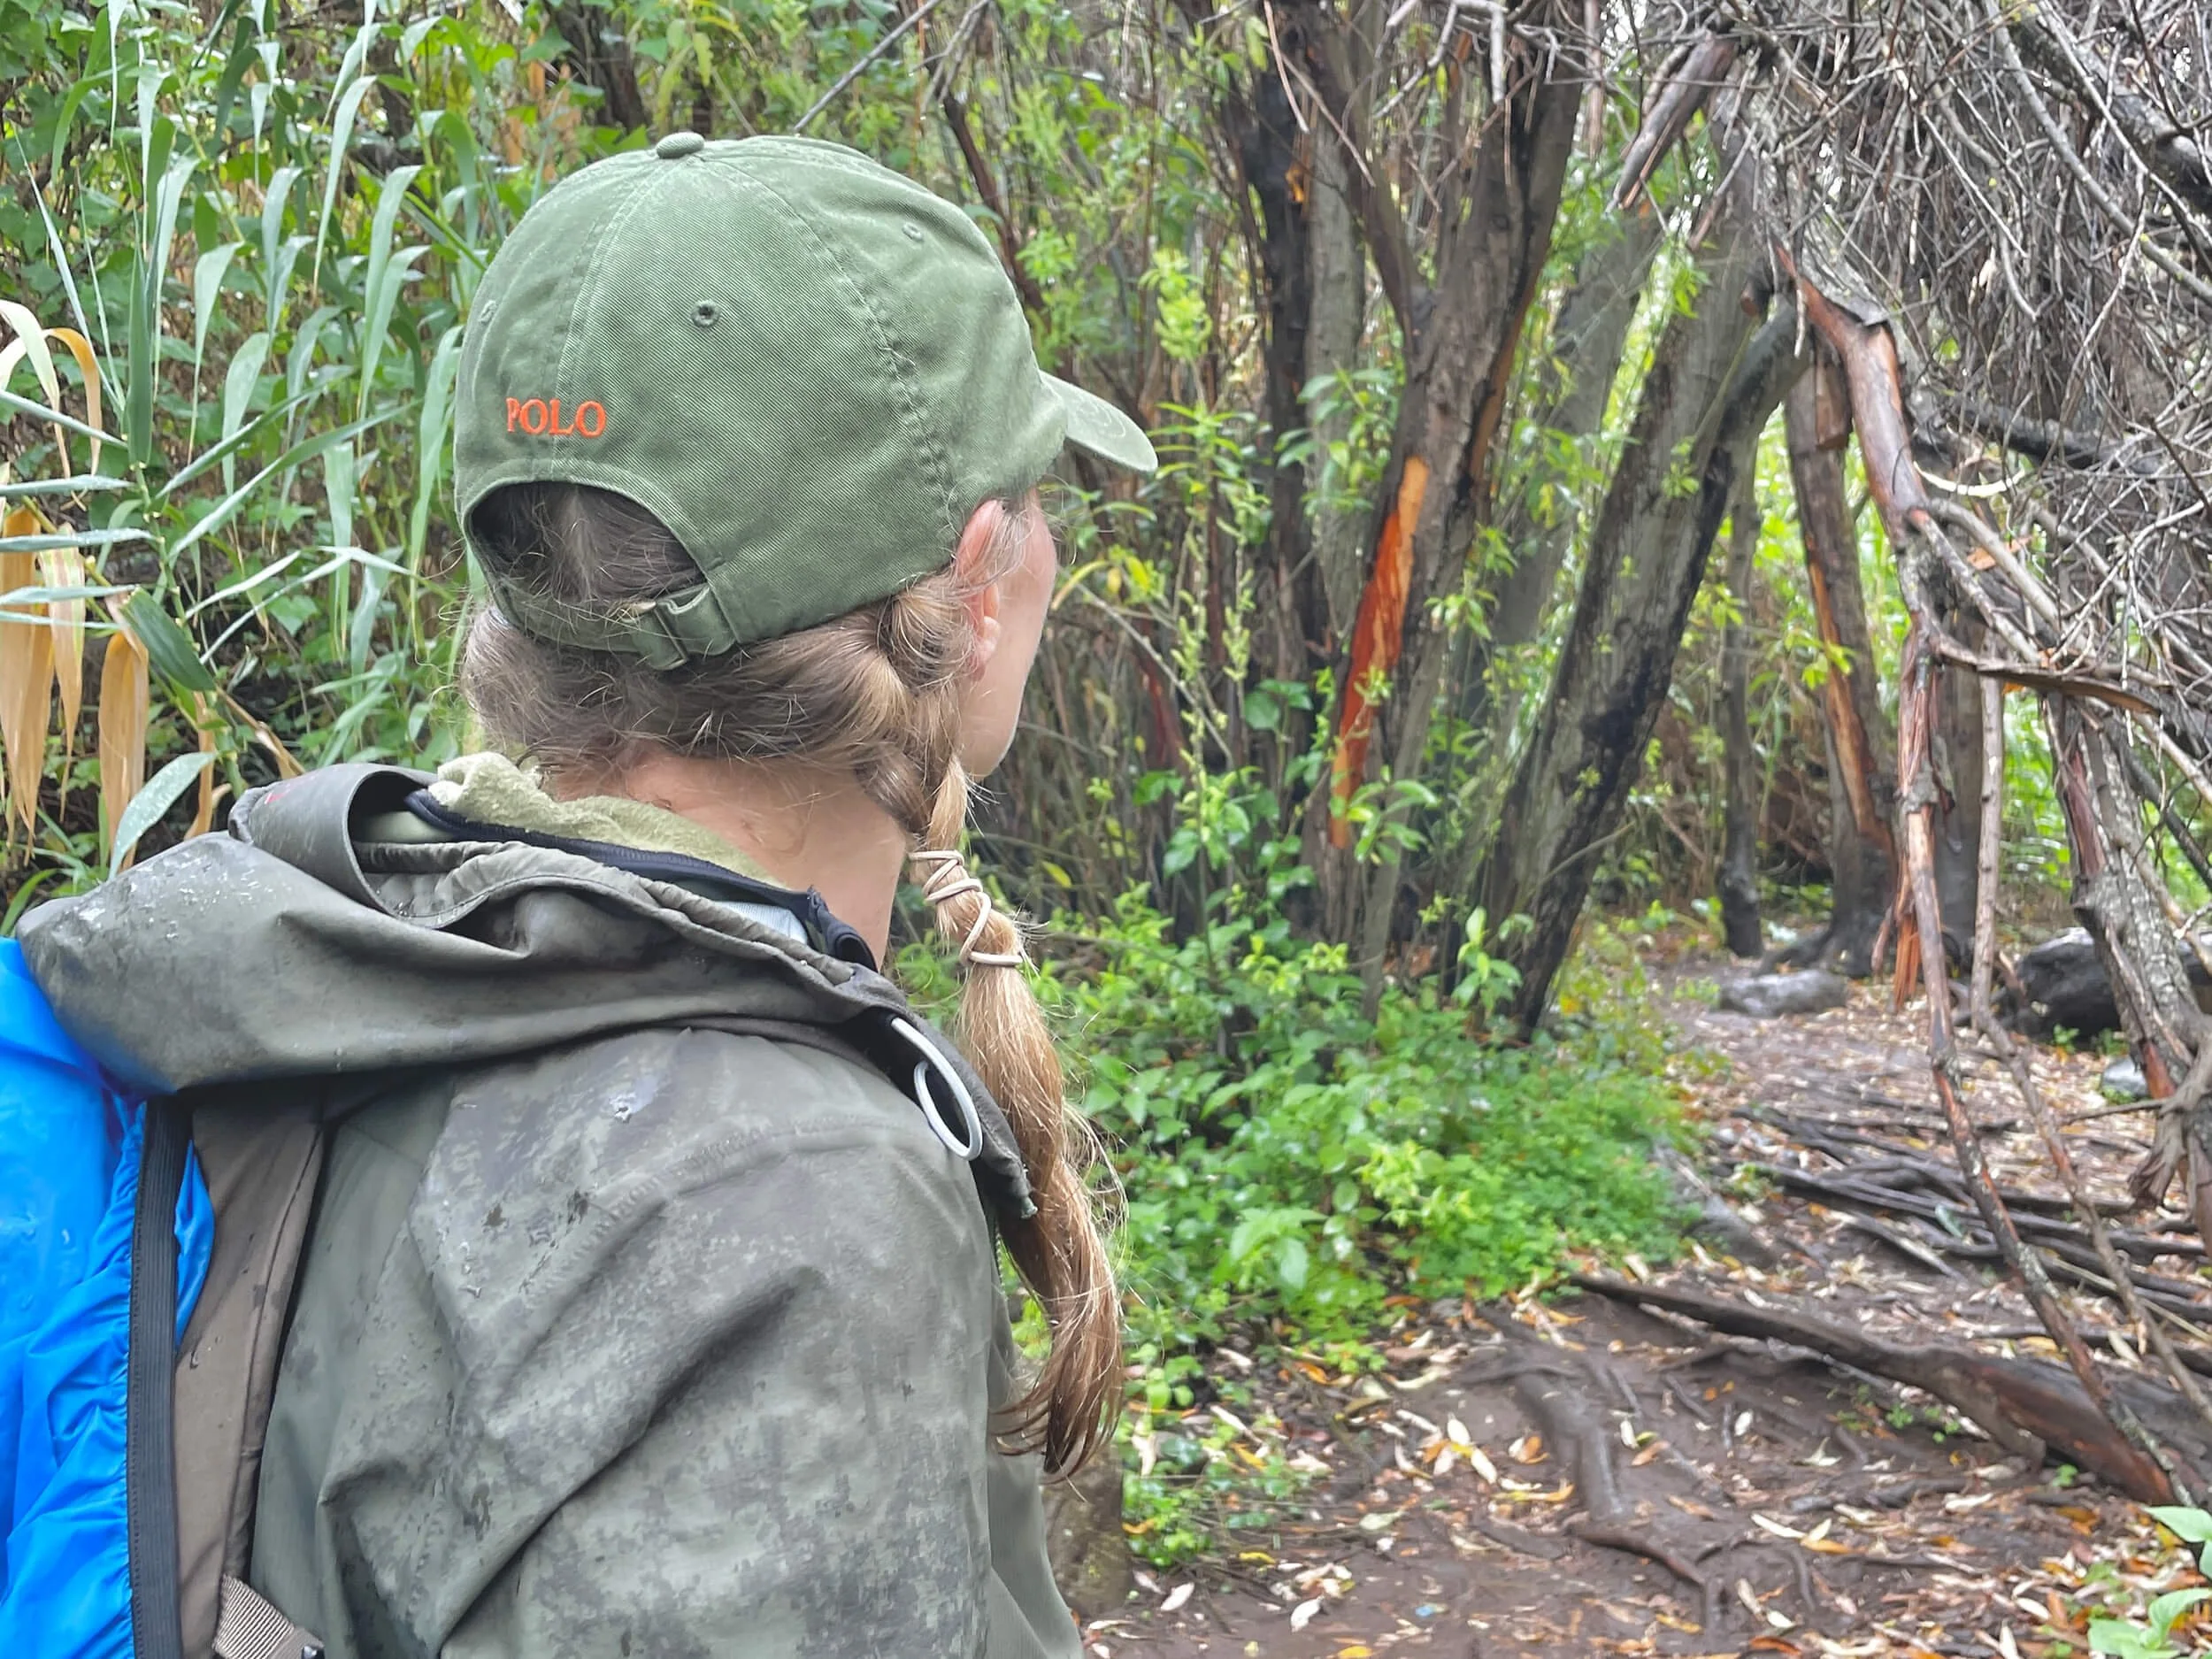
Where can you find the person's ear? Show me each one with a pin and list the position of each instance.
(980, 586)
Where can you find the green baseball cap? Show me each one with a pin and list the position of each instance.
(810, 368)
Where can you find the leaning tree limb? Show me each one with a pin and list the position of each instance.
(1739, 882)
(2025, 1406)
(2008, 1050)
(1871, 372)
(1863, 848)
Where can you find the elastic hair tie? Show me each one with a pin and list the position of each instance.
(947, 881)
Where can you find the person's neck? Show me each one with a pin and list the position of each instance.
(802, 827)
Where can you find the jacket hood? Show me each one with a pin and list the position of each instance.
(287, 948)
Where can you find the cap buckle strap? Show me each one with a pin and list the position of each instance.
(697, 622)
(635, 630)
(949, 880)
(647, 634)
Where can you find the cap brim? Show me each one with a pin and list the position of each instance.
(1097, 427)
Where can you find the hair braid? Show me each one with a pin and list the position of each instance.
(1059, 1251)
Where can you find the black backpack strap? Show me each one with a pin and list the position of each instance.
(150, 1410)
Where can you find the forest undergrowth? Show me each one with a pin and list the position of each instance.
(1292, 1175)
(1498, 1466)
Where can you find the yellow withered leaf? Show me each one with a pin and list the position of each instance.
(30, 343)
(27, 677)
(204, 816)
(64, 567)
(123, 708)
(81, 348)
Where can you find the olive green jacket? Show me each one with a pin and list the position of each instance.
(619, 1330)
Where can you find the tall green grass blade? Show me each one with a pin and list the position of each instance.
(82, 484)
(147, 85)
(242, 55)
(275, 278)
(430, 440)
(230, 446)
(220, 452)
(348, 558)
(170, 651)
(306, 449)
(304, 345)
(50, 541)
(268, 572)
(53, 596)
(377, 327)
(145, 345)
(208, 273)
(358, 52)
(161, 792)
(341, 136)
(16, 406)
(338, 483)
(69, 279)
(29, 330)
(239, 383)
(19, 597)
(280, 278)
(66, 120)
(258, 93)
(412, 36)
(362, 633)
(379, 282)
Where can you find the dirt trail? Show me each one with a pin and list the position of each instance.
(1822, 1512)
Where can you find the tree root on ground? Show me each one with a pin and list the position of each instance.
(2024, 1405)
(1517, 1539)
(1556, 1387)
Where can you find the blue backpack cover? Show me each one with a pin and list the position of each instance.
(71, 1144)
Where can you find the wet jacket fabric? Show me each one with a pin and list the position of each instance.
(621, 1328)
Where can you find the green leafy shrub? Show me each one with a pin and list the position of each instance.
(1285, 1160)
(1287, 1165)
(2151, 1636)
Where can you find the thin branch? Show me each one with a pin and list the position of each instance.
(837, 86)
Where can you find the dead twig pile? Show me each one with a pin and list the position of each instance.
(1997, 223)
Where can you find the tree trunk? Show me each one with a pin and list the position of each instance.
(1862, 750)
(1739, 847)
(1712, 386)
(1587, 340)
(1337, 282)
(2137, 944)
(1259, 119)
(598, 56)
(1495, 218)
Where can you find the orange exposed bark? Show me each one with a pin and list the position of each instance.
(1831, 405)
(1378, 634)
(1877, 407)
